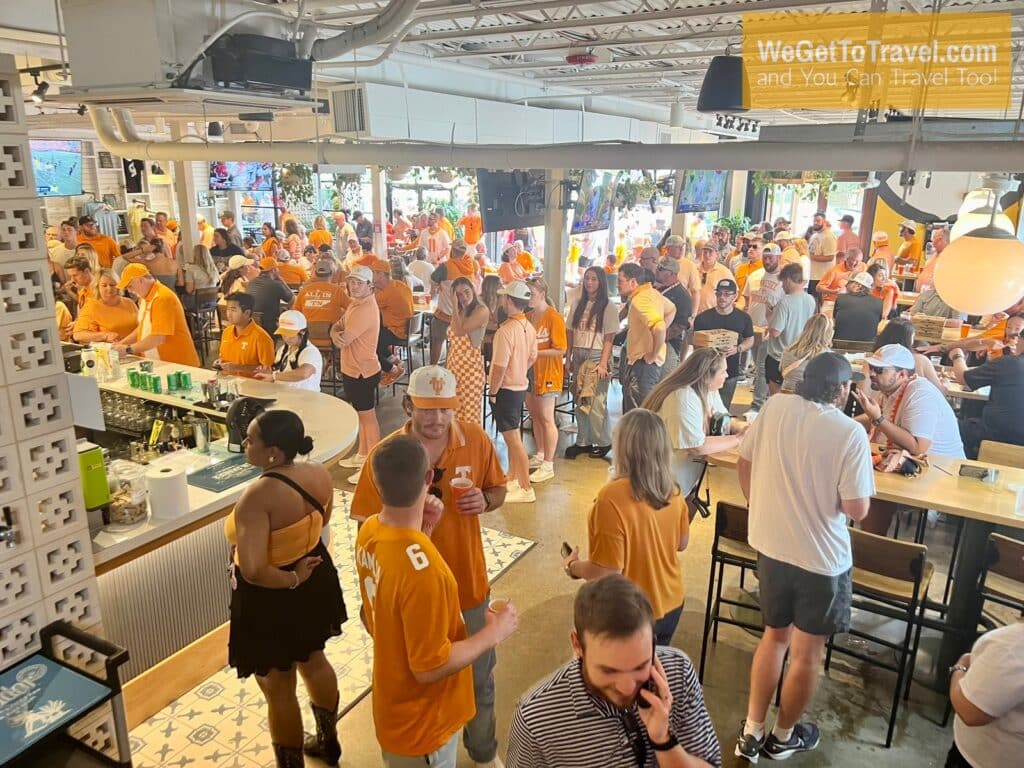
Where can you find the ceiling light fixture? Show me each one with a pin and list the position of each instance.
(39, 94)
(725, 87)
(81, 110)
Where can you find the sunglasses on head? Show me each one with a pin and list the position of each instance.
(434, 490)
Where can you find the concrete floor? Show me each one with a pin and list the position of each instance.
(852, 703)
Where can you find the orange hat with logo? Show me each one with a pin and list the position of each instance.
(268, 263)
(432, 386)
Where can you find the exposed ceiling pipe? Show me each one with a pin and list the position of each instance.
(752, 155)
(370, 32)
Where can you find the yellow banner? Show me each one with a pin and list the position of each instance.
(948, 61)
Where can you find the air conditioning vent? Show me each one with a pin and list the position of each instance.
(348, 107)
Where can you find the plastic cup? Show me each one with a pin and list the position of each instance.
(461, 486)
(965, 331)
(498, 605)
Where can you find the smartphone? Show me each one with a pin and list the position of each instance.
(566, 549)
(650, 685)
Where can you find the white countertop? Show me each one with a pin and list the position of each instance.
(331, 422)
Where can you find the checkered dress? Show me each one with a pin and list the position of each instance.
(467, 364)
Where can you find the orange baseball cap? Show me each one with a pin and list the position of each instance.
(132, 272)
(379, 265)
(268, 263)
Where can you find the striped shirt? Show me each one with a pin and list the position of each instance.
(562, 724)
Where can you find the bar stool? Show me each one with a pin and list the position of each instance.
(203, 317)
(1002, 580)
(890, 579)
(320, 337)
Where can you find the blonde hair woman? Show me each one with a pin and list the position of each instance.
(86, 250)
(816, 338)
(547, 378)
(686, 400)
(320, 234)
(107, 315)
(639, 521)
(199, 271)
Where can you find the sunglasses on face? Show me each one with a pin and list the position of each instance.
(876, 370)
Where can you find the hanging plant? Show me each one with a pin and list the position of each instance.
(295, 183)
(736, 224)
(398, 172)
(631, 192)
(812, 184)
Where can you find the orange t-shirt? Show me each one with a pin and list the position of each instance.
(106, 248)
(472, 228)
(643, 542)
(97, 317)
(743, 272)
(292, 274)
(885, 291)
(362, 328)
(395, 302)
(525, 260)
(320, 237)
(514, 349)
(321, 302)
(835, 279)
(166, 317)
(65, 323)
(549, 372)
(411, 608)
(510, 271)
(457, 537)
(253, 346)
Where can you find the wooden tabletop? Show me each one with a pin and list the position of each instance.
(935, 489)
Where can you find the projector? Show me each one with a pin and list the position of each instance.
(176, 65)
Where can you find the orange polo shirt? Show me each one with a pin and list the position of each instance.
(834, 280)
(106, 248)
(251, 346)
(743, 272)
(630, 535)
(320, 237)
(395, 302)
(457, 537)
(167, 318)
(411, 608)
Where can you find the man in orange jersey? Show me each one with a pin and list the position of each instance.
(472, 225)
(163, 333)
(422, 651)
(322, 300)
(455, 449)
(106, 247)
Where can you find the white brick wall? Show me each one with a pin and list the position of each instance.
(49, 572)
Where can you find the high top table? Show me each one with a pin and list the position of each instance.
(982, 506)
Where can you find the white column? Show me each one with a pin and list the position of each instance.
(556, 239)
(185, 197)
(379, 212)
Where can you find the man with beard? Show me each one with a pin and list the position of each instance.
(621, 699)
(822, 248)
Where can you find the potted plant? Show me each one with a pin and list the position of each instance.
(398, 172)
(295, 183)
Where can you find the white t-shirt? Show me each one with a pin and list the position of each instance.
(822, 243)
(762, 291)
(684, 419)
(422, 269)
(925, 413)
(308, 356)
(589, 337)
(806, 459)
(994, 683)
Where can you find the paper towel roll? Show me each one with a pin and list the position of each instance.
(168, 491)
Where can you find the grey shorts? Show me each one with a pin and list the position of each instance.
(815, 604)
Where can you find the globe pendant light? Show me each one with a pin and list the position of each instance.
(972, 220)
(982, 272)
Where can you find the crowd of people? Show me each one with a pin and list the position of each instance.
(498, 346)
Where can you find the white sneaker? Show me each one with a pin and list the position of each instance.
(353, 479)
(353, 461)
(495, 763)
(543, 473)
(518, 496)
(536, 460)
(511, 485)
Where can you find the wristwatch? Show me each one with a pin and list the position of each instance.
(957, 668)
(672, 743)
(568, 571)
(128, 350)
(878, 422)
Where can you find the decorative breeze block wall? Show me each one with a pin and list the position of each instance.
(46, 569)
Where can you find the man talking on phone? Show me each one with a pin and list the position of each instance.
(621, 701)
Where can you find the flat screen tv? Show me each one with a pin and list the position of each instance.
(58, 167)
(241, 177)
(511, 199)
(593, 212)
(701, 191)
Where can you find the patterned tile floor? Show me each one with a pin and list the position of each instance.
(222, 722)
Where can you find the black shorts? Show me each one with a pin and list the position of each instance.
(361, 393)
(772, 370)
(508, 409)
(815, 604)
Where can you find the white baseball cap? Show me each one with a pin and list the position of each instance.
(432, 386)
(892, 356)
(783, 235)
(238, 261)
(908, 224)
(863, 278)
(771, 248)
(517, 290)
(359, 272)
(290, 322)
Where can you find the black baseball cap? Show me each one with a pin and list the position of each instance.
(725, 285)
(847, 218)
(831, 369)
(85, 220)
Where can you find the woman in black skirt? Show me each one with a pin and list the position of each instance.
(286, 600)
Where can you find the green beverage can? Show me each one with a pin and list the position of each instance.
(155, 384)
(172, 381)
(185, 379)
(144, 381)
(133, 378)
